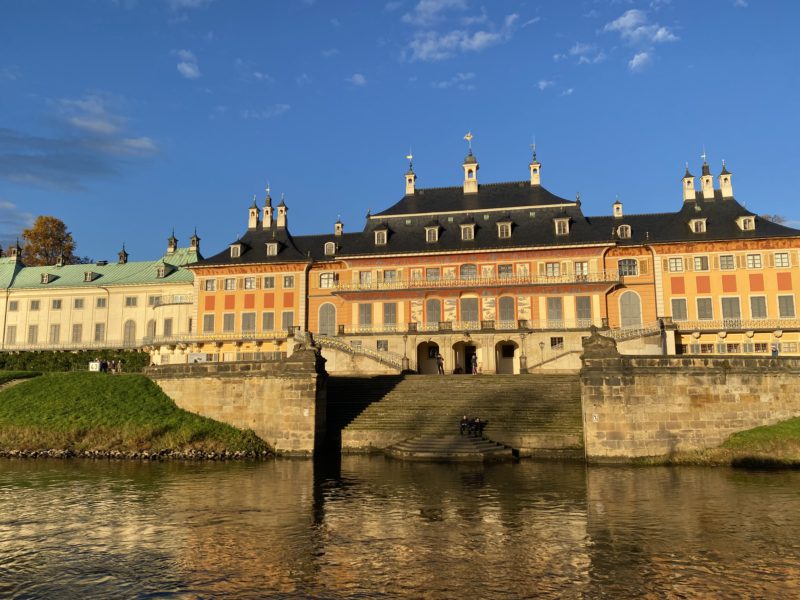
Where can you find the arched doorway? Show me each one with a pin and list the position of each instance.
(129, 333)
(462, 357)
(327, 319)
(426, 358)
(630, 309)
(507, 357)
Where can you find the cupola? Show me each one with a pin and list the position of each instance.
(194, 242)
(172, 243)
(252, 215)
(15, 252)
(267, 219)
(411, 177)
(706, 180)
(688, 185)
(535, 168)
(338, 227)
(470, 166)
(725, 183)
(617, 209)
(282, 210)
(122, 256)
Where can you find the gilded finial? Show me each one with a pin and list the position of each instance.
(469, 137)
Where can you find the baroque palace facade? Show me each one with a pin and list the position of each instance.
(508, 272)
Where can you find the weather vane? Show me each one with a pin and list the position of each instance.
(409, 158)
(703, 155)
(468, 137)
(533, 147)
(267, 188)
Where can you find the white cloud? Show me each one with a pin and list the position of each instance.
(9, 74)
(392, 6)
(330, 52)
(532, 21)
(580, 48)
(543, 84)
(558, 57)
(177, 5)
(188, 64)
(639, 62)
(303, 79)
(336, 22)
(276, 110)
(634, 28)
(460, 81)
(568, 92)
(476, 19)
(142, 144)
(248, 71)
(90, 114)
(428, 12)
(357, 79)
(432, 46)
(740, 3)
(12, 221)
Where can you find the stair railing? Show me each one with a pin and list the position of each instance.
(391, 359)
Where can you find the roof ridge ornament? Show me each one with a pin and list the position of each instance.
(533, 147)
(469, 137)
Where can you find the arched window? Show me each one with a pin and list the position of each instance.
(624, 232)
(129, 332)
(469, 272)
(433, 311)
(505, 309)
(151, 328)
(327, 319)
(330, 248)
(630, 309)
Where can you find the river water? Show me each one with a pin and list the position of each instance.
(370, 527)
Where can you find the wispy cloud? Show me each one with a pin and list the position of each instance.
(530, 22)
(459, 81)
(302, 79)
(95, 142)
(740, 3)
(429, 12)
(586, 54)
(635, 29)
(392, 6)
(639, 62)
(176, 5)
(543, 84)
(329, 52)
(432, 46)
(187, 64)
(357, 79)
(276, 110)
(567, 92)
(12, 221)
(9, 74)
(248, 71)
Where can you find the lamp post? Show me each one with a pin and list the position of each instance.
(541, 355)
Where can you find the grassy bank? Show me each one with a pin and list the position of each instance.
(125, 413)
(771, 446)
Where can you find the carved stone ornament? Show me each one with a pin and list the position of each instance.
(599, 346)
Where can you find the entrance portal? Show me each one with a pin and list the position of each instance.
(462, 357)
(506, 357)
(426, 358)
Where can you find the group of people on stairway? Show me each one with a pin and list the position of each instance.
(472, 426)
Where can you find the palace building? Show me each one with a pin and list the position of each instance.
(508, 272)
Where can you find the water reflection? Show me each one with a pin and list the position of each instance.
(368, 526)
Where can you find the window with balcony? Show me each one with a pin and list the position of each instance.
(583, 310)
(552, 269)
(365, 315)
(731, 310)
(287, 320)
(753, 261)
(505, 271)
(55, 334)
(581, 268)
(506, 311)
(249, 321)
(268, 321)
(390, 275)
(33, 334)
(228, 322)
(390, 314)
(99, 332)
(555, 312)
(470, 311)
(365, 277)
(433, 311)
(468, 271)
(433, 274)
(77, 333)
(628, 267)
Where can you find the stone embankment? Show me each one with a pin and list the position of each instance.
(163, 455)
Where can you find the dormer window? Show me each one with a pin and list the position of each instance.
(89, 276)
(504, 230)
(698, 225)
(624, 232)
(562, 226)
(272, 249)
(236, 250)
(161, 272)
(746, 223)
(46, 278)
(380, 237)
(468, 232)
(431, 234)
(330, 248)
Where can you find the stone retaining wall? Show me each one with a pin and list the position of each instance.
(655, 406)
(283, 402)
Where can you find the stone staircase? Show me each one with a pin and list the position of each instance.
(448, 448)
(533, 414)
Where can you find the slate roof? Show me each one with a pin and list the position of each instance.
(18, 276)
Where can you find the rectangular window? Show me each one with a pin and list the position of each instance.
(433, 274)
(758, 307)
(552, 269)
(628, 267)
(287, 320)
(390, 313)
(77, 304)
(562, 227)
(153, 300)
(269, 282)
(701, 263)
(431, 234)
(679, 309)
(467, 232)
(34, 305)
(249, 321)
(753, 261)
(13, 306)
(416, 274)
(583, 310)
(470, 312)
(505, 271)
(761, 347)
(365, 315)
(56, 304)
(211, 285)
(288, 282)
(726, 262)
(33, 334)
(581, 268)
(733, 348)
(380, 237)
(781, 260)
(131, 301)
(675, 265)
(390, 275)
(77, 333)
(249, 283)
(11, 334)
(705, 309)
(730, 308)
(167, 327)
(786, 307)
(706, 348)
(365, 277)
(228, 322)
(230, 284)
(555, 313)
(55, 334)
(101, 303)
(208, 323)
(382, 345)
(268, 321)
(556, 343)
(327, 280)
(100, 332)
(504, 230)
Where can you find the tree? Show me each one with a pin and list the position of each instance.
(46, 241)
(775, 219)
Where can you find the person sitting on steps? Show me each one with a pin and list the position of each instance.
(464, 426)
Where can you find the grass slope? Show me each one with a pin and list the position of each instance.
(6, 376)
(95, 411)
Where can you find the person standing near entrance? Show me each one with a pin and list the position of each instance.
(474, 364)
(440, 363)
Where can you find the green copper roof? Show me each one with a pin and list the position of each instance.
(16, 276)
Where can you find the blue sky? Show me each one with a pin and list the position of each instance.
(126, 118)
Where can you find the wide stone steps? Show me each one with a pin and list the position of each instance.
(450, 448)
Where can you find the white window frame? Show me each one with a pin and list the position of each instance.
(697, 263)
(624, 232)
(562, 226)
(210, 285)
(468, 232)
(330, 248)
(675, 264)
(272, 249)
(504, 230)
(753, 261)
(381, 237)
(782, 260)
(431, 234)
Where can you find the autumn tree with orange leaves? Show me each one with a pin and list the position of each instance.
(46, 241)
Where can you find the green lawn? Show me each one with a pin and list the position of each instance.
(95, 411)
(6, 376)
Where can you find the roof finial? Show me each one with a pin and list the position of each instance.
(703, 155)
(410, 158)
(533, 147)
(468, 137)
(267, 189)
